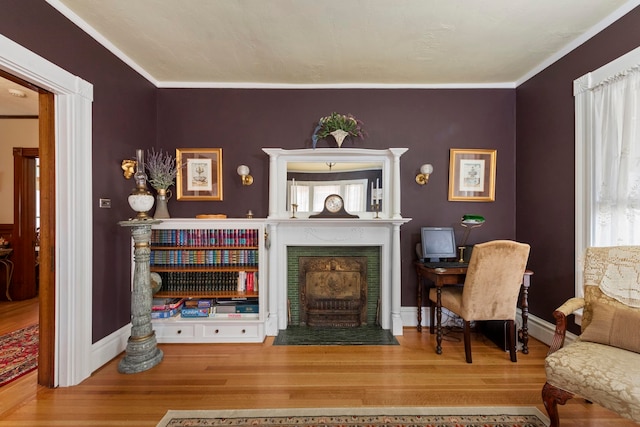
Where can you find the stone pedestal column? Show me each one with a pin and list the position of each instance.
(142, 352)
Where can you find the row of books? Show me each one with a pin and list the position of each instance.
(209, 281)
(198, 308)
(206, 237)
(205, 258)
(162, 308)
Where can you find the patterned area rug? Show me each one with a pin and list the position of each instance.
(508, 416)
(18, 353)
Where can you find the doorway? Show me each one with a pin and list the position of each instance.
(66, 229)
(24, 241)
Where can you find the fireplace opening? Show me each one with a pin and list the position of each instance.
(333, 291)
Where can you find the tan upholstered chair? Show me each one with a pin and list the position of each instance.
(603, 364)
(491, 288)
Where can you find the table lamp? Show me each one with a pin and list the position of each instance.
(468, 221)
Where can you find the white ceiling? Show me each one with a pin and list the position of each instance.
(338, 43)
(249, 43)
(11, 105)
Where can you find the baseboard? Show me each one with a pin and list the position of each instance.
(109, 347)
(112, 345)
(538, 328)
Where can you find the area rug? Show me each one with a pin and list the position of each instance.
(18, 353)
(508, 416)
(363, 335)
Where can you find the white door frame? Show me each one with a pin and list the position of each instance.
(73, 188)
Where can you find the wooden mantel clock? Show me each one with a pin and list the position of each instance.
(333, 208)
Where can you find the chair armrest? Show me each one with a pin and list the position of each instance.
(560, 315)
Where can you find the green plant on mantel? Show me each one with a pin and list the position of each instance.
(162, 168)
(335, 122)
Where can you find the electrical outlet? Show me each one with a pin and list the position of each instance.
(105, 203)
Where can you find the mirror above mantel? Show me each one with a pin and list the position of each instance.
(363, 177)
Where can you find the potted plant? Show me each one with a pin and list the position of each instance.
(163, 169)
(339, 126)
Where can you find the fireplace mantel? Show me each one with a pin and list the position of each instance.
(387, 161)
(382, 232)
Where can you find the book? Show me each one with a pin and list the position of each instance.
(225, 308)
(204, 303)
(247, 308)
(194, 312)
(164, 314)
(235, 315)
(166, 303)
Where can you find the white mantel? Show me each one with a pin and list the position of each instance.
(383, 232)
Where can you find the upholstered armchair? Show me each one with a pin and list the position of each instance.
(491, 288)
(603, 364)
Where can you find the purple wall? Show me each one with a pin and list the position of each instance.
(428, 122)
(545, 162)
(123, 119)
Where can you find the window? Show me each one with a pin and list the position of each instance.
(310, 195)
(607, 105)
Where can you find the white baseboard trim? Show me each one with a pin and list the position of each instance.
(112, 345)
(109, 347)
(538, 328)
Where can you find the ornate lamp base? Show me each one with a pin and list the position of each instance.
(142, 354)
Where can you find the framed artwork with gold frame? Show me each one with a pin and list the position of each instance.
(472, 175)
(199, 173)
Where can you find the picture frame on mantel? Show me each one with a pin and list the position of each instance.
(472, 175)
(199, 174)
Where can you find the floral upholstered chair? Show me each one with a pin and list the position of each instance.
(603, 364)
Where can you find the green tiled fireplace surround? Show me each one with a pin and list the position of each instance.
(372, 253)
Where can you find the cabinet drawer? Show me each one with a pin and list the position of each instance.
(231, 331)
(174, 330)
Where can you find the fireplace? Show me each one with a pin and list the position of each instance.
(377, 239)
(333, 291)
(379, 232)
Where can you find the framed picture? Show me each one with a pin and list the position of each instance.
(199, 174)
(472, 175)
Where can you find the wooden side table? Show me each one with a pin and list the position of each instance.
(5, 253)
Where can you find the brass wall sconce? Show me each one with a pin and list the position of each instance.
(423, 177)
(243, 171)
(128, 167)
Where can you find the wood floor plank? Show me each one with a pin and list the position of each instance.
(238, 376)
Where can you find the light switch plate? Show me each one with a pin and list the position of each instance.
(105, 203)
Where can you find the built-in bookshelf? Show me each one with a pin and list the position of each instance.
(218, 268)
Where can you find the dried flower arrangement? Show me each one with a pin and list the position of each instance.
(162, 168)
(346, 123)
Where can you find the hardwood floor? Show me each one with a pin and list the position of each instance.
(234, 376)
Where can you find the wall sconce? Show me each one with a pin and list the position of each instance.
(243, 171)
(129, 168)
(423, 177)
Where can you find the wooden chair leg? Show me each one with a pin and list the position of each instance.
(467, 340)
(512, 341)
(551, 396)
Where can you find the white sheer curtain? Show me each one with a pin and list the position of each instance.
(616, 160)
(354, 197)
(607, 149)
